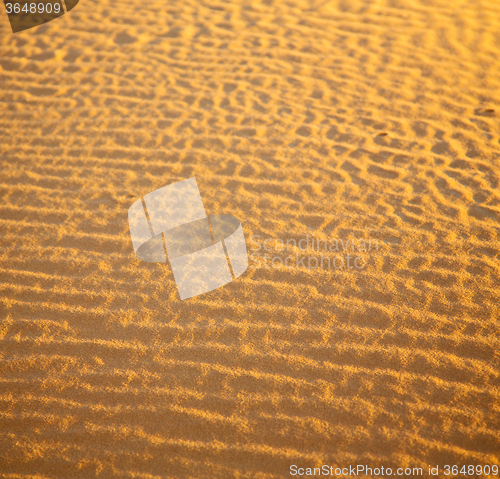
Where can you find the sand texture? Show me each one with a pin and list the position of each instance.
(334, 119)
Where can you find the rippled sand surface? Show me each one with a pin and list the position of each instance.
(337, 119)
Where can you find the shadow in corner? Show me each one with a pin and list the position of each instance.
(25, 14)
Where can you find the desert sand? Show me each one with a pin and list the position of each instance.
(330, 119)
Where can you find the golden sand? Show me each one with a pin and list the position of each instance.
(337, 119)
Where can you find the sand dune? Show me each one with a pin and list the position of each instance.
(333, 119)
